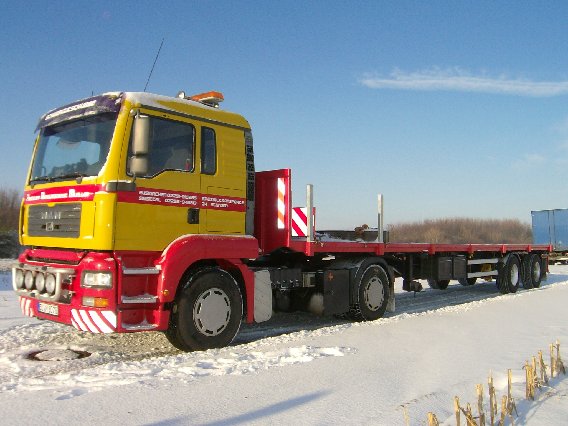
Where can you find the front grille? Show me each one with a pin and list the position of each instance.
(61, 220)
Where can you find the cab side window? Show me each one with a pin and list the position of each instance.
(208, 151)
(171, 146)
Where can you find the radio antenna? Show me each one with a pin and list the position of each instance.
(154, 64)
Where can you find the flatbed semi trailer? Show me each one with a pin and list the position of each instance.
(144, 212)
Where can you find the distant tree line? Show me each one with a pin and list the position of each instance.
(462, 230)
(9, 215)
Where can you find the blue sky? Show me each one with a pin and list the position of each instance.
(448, 108)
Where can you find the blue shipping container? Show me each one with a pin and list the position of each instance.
(551, 227)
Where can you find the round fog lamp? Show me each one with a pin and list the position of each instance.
(40, 282)
(29, 280)
(19, 278)
(50, 284)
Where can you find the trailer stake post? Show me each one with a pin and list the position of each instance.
(309, 212)
(380, 225)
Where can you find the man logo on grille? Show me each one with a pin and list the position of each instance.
(49, 226)
(50, 215)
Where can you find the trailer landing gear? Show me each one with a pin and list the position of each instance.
(438, 284)
(467, 281)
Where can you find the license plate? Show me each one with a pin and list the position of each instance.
(48, 309)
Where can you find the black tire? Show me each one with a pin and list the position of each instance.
(467, 281)
(438, 284)
(510, 275)
(372, 295)
(207, 313)
(532, 271)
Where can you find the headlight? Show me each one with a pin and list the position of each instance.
(97, 279)
(40, 282)
(50, 284)
(29, 280)
(19, 278)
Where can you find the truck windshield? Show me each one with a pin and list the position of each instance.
(73, 149)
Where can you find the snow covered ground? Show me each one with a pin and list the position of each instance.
(295, 369)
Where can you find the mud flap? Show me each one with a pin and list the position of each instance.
(391, 305)
(335, 291)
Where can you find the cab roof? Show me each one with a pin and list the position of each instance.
(113, 101)
(186, 106)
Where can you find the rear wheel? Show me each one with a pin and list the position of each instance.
(372, 295)
(532, 271)
(509, 276)
(438, 284)
(207, 313)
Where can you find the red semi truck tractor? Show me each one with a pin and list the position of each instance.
(144, 212)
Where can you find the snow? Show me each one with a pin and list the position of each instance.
(296, 368)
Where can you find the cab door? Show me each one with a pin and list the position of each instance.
(223, 179)
(164, 203)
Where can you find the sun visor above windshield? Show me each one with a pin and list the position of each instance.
(85, 107)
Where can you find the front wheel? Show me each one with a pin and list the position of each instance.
(208, 312)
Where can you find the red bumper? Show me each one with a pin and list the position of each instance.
(92, 309)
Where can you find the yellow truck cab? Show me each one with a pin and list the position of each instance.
(191, 179)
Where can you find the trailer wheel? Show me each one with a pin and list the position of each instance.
(438, 284)
(372, 294)
(509, 276)
(532, 271)
(208, 311)
(467, 281)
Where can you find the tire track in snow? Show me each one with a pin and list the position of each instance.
(185, 367)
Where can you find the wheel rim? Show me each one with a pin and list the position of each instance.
(373, 294)
(514, 275)
(536, 272)
(212, 312)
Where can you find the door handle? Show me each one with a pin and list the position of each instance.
(193, 216)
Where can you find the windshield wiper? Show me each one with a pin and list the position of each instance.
(42, 179)
(71, 175)
(77, 175)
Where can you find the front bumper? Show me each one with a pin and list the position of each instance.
(83, 319)
(48, 283)
(70, 301)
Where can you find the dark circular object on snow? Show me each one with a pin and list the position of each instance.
(57, 355)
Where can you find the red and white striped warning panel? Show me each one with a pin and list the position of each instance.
(300, 221)
(281, 204)
(27, 307)
(93, 321)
